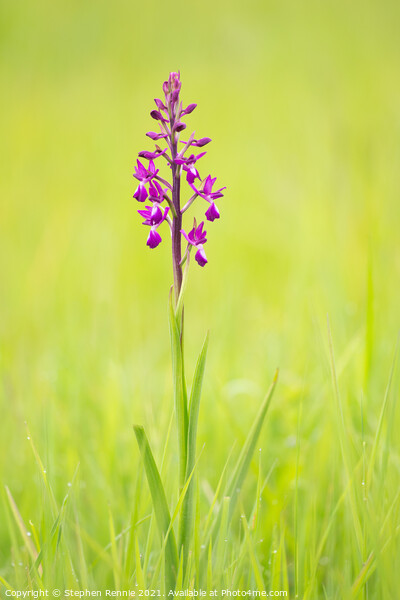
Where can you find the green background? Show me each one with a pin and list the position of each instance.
(302, 101)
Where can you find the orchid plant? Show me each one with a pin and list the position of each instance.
(162, 198)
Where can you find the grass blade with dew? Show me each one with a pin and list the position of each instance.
(253, 558)
(29, 545)
(139, 573)
(160, 506)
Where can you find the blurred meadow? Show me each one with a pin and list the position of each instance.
(302, 101)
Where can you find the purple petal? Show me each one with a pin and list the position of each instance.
(212, 212)
(156, 136)
(145, 213)
(189, 109)
(179, 126)
(156, 215)
(201, 142)
(191, 175)
(159, 104)
(200, 235)
(207, 187)
(166, 209)
(155, 114)
(216, 195)
(154, 239)
(189, 237)
(140, 193)
(148, 155)
(200, 257)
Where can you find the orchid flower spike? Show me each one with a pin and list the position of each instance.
(182, 163)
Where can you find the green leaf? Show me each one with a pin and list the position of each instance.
(187, 515)
(160, 506)
(380, 421)
(174, 516)
(179, 390)
(253, 558)
(221, 541)
(29, 545)
(139, 573)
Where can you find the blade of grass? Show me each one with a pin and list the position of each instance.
(209, 568)
(29, 545)
(236, 481)
(179, 387)
(43, 472)
(245, 457)
(139, 573)
(6, 584)
(254, 562)
(221, 541)
(174, 516)
(114, 550)
(160, 506)
(378, 432)
(187, 515)
(344, 446)
(216, 494)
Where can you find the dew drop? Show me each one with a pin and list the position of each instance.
(28, 533)
(69, 484)
(27, 437)
(44, 471)
(202, 546)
